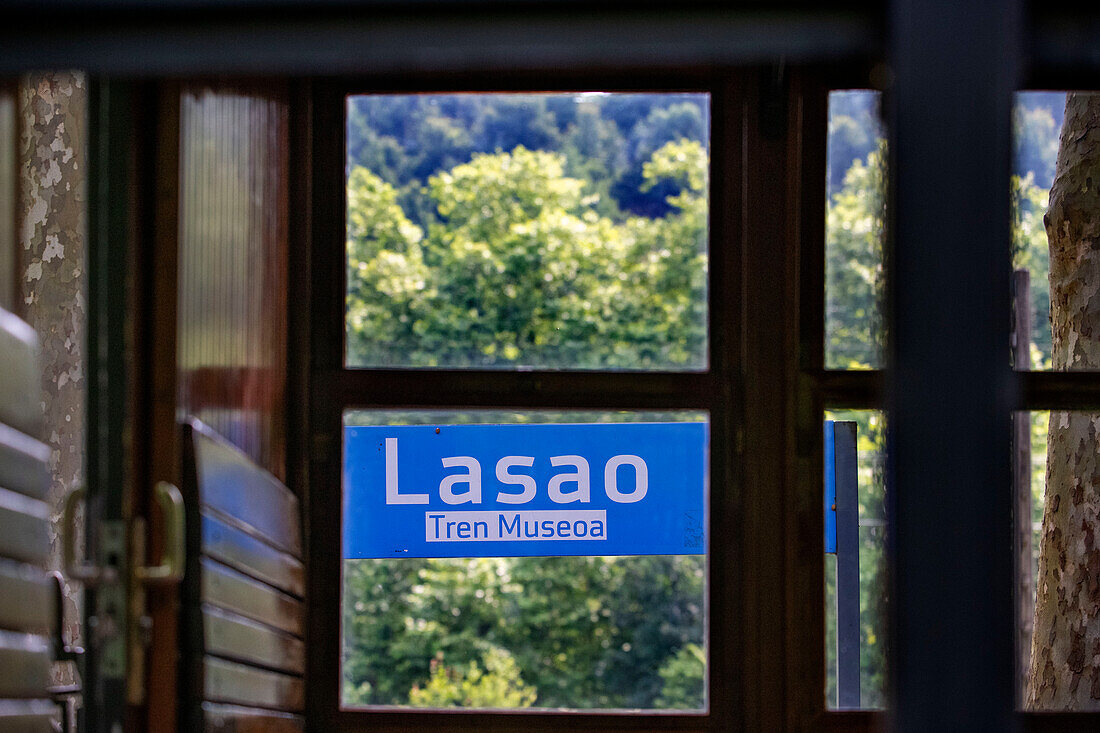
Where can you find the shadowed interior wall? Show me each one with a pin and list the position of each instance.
(232, 306)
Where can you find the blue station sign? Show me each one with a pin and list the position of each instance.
(525, 490)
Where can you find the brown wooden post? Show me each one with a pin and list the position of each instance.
(1021, 456)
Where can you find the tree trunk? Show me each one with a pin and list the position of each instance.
(1065, 649)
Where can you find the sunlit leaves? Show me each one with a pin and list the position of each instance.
(854, 325)
(520, 268)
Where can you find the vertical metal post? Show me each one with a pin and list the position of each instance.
(847, 565)
(1025, 567)
(108, 401)
(951, 389)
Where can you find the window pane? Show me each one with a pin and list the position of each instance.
(1037, 122)
(559, 231)
(855, 170)
(1056, 460)
(873, 594)
(1029, 468)
(537, 622)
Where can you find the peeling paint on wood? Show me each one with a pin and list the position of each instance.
(1065, 655)
(53, 281)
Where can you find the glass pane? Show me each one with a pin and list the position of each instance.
(1030, 474)
(459, 611)
(1037, 122)
(1056, 457)
(874, 598)
(231, 323)
(502, 231)
(855, 170)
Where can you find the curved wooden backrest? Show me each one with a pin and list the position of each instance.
(243, 615)
(28, 604)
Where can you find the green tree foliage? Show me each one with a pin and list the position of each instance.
(684, 677)
(517, 268)
(496, 683)
(405, 139)
(586, 632)
(854, 331)
(1030, 252)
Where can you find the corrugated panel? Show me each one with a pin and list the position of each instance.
(233, 266)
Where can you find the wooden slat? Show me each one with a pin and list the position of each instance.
(23, 463)
(29, 716)
(26, 598)
(20, 378)
(235, 637)
(251, 556)
(235, 719)
(24, 528)
(234, 486)
(226, 588)
(24, 665)
(237, 683)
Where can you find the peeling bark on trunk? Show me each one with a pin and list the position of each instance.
(1065, 649)
(52, 110)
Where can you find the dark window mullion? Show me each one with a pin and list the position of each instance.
(850, 390)
(572, 390)
(1059, 390)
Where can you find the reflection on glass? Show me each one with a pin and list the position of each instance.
(582, 632)
(873, 581)
(561, 231)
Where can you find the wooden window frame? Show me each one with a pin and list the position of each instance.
(763, 389)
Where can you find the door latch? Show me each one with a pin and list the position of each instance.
(121, 604)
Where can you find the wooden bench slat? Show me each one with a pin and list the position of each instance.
(252, 557)
(234, 486)
(226, 588)
(226, 681)
(219, 718)
(24, 463)
(24, 665)
(27, 600)
(235, 637)
(24, 528)
(29, 716)
(20, 377)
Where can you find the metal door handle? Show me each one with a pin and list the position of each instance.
(170, 569)
(84, 572)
